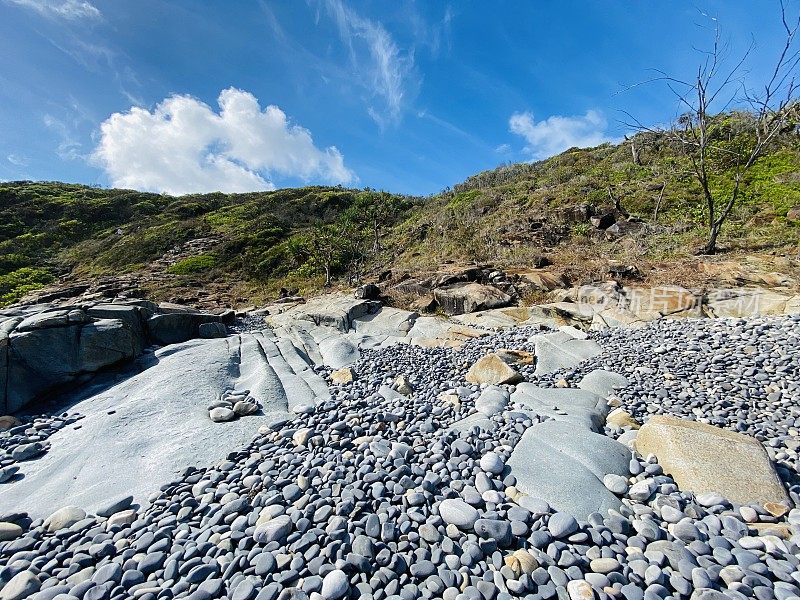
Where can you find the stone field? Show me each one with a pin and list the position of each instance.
(356, 458)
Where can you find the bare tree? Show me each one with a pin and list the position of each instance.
(716, 89)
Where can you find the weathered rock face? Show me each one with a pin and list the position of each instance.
(41, 359)
(468, 297)
(703, 458)
(42, 348)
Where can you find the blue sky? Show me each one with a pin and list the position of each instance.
(406, 96)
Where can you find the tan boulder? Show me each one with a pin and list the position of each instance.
(8, 421)
(746, 303)
(780, 530)
(622, 418)
(493, 370)
(543, 280)
(345, 375)
(663, 301)
(792, 306)
(703, 458)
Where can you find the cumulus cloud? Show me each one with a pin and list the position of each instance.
(184, 146)
(72, 10)
(557, 133)
(376, 59)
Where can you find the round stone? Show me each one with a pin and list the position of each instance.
(9, 531)
(457, 512)
(335, 585)
(562, 525)
(274, 530)
(63, 518)
(604, 565)
(491, 462)
(221, 414)
(616, 484)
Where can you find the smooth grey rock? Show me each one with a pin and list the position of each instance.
(221, 414)
(602, 382)
(64, 517)
(459, 513)
(23, 585)
(580, 457)
(491, 462)
(335, 585)
(562, 524)
(209, 331)
(276, 529)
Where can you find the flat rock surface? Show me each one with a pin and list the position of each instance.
(555, 351)
(158, 426)
(572, 405)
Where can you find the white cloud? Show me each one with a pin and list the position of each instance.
(183, 146)
(557, 133)
(376, 60)
(18, 160)
(72, 10)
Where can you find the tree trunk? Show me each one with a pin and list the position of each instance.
(635, 154)
(327, 276)
(711, 245)
(658, 202)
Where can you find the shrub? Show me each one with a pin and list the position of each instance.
(193, 264)
(16, 284)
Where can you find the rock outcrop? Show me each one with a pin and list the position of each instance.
(462, 298)
(43, 348)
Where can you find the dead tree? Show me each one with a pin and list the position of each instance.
(715, 89)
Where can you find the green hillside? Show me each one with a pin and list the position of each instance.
(507, 216)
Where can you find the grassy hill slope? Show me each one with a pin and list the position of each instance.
(258, 242)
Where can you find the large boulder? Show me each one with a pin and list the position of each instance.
(209, 331)
(556, 351)
(132, 315)
(105, 342)
(747, 303)
(172, 328)
(564, 464)
(338, 352)
(663, 301)
(462, 298)
(702, 458)
(5, 328)
(602, 382)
